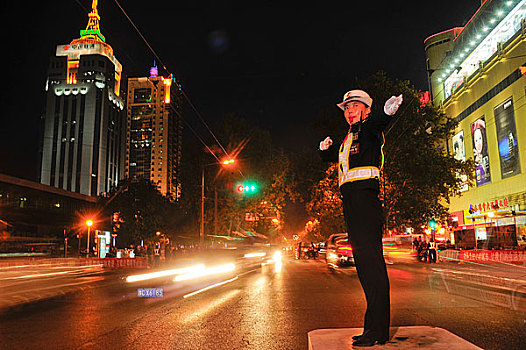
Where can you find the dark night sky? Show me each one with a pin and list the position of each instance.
(275, 65)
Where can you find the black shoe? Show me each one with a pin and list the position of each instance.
(357, 337)
(366, 341)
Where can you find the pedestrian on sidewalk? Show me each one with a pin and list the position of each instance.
(157, 255)
(415, 244)
(359, 160)
(422, 251)
(431, 251)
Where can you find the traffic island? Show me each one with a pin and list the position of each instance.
(413, 337)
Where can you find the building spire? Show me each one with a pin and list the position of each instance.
(92, 30)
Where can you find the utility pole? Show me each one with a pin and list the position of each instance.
(215, 211)
(65, 244)
(202, 225)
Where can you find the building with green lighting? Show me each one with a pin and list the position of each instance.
(83, 146)
(475, 76)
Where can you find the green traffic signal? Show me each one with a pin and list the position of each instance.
(432, 225)
(247, 188)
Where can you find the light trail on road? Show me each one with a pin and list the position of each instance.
(165, 273)
(205, 272)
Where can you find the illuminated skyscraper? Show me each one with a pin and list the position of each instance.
(83, 139)
(154, 132)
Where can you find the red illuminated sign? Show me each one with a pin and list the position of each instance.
(486, 206)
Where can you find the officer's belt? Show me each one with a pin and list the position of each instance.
(359, 173)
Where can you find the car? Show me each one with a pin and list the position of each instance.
(338, 251)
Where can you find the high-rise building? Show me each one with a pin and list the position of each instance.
(83, 139)
(154, 132)
(477, 76)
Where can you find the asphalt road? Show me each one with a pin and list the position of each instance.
(268, 309)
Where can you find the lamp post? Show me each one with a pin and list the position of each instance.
(225, 163)
(202, 223)
(89, 223)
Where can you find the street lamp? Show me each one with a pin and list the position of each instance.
(226, 163)
(89, 223)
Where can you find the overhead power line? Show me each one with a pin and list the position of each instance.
(182, 90)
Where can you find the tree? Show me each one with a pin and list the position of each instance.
(259, 161)
(325, 207)
(419, 174)
(142, 211)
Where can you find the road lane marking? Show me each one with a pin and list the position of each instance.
(210, 287)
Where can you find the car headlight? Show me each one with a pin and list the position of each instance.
(332, 256)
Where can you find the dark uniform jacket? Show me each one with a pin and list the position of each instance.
(366, 148)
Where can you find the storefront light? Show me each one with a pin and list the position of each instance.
(480, 49)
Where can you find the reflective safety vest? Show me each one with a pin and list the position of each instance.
(355, 174)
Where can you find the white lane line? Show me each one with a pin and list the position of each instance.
(210, 287)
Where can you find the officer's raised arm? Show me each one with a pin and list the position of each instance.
(327, 151)
(325, 144)
(392, 104)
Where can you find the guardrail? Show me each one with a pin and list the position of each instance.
(57, 262)
(483, 256)
(504, 256)
(449, 255)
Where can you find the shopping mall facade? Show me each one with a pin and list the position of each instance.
(476, 75)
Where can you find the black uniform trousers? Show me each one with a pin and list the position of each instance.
(364, 219)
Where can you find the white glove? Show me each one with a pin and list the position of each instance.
(325, 144)
(392, 104)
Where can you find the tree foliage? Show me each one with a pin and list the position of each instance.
(257, 160)
(325, 207)
(141, 211)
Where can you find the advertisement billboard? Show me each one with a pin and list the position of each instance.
(507, 140)
(480, 151)
(460, 154)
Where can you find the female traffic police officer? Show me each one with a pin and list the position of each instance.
(359, 160)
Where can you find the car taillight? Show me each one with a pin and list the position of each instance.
(344, 250)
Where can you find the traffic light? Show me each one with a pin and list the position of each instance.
(432, 224)
(247, 188)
